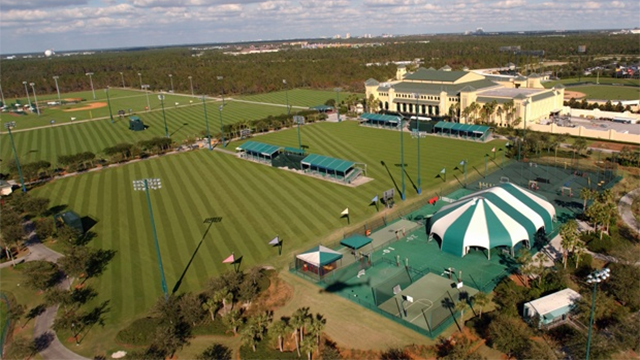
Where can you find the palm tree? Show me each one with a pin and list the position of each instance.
(481, 299)
(466, 112)
(317, 325)
(249, 335)
(304, 316)
(569, 235)
(509, 107)
(500, 112)
(211, 305)
(278, 329)
(308, 346)
(296, 323)
(579, 249)
(461, 306)
(233, 320)
(585, 194)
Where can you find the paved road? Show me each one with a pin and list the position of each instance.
(624, 208)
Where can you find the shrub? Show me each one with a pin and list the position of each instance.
(595, 244)
(140, 332)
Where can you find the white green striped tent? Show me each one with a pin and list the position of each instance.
(503, 215)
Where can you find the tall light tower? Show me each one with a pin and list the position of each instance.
(122, 77)
(221, 130)
(140, 77)
(221, 79)
(154, 184)
(27, 91)
(35, 98)
(55, 78)
(90, 75)
(338, 102)
(286, 94)
(2, 95)
(109, 103)
(9, 126)
(191, 83)
(146, 91)
(171, 79)
(595, 278)
(417, 96)
(206, 120)
(402, 153)
(164, 117)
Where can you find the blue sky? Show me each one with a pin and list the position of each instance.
(62, 25)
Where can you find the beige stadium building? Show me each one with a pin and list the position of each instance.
(506, 100)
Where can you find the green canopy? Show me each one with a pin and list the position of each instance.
(320, 256)
(356, 241)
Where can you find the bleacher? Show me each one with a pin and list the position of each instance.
(288, 160)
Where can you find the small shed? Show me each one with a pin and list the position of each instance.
(552, 308)
(70, 219)
(136, 124)
(319, 261)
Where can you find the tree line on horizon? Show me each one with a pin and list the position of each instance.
(304, 68)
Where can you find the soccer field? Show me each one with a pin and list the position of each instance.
(256, 203)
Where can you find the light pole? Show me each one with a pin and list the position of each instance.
(221, 78)
(171, 79)
(9, 126)
(486, 156)
(402, 153)
(595, 278)
(90, 75)
(206, 120)
(122, 77)
(109, 103)
(417, 96)
(164, 117)
(146, 88)
(27, 91)
(55, 78)
(140, 77)
(524, 133)
(338, 102)
(154, 184)
(221, 131)
(35, 98)
(75, 335)
(286, 94)
(2, 94)
(191, 83)
(299, 120)
(464, 167)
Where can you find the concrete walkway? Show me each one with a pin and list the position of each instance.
(624, 208)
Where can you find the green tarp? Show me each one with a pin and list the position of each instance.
(356, 241)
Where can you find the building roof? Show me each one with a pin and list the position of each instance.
(551, 302)
(436, 89)
(487, 99)
(381, 118)
(320, 256)
(356, 241)
(328, 163)
(542, 96)
(423, 74)
(260, 148)
(371, 82)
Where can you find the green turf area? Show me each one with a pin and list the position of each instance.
(592, 80)
(302, 210)
(608, 92)
(298, 97)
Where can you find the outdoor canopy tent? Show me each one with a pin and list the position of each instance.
(356, 241)
(319, 260)
(503, 215)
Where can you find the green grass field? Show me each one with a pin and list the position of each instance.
(256, 203)
(297, 97)
(593, 80)
(608, 92)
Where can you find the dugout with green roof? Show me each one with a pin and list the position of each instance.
(327, 166)
(259, 151)
(379, 120)
(322, 108)
(356, 241)
(467, 131)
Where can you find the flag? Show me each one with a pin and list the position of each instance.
(494, 149)
(507, 144)
(230, 260)
(375, 199)
(345, 212)
(462, 163)
(275, 241)
(443, 171)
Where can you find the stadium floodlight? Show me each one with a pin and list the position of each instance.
(35, 98)
(2, 95)
(337, 90)
(191, 83)
(55, 78)
(122, 76)
(300, 121)
(206, 120)
(109, 103)
(402, 154)
(171, 78)
(164, 117)
(27, 91)
(221, 128)
(417, 96)
(145, 185)
(286, 94)
(140, 77)
(90, 75)
(146, 88)
(221, 79)
(595, 278)
(10, 125)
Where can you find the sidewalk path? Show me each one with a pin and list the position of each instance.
(624, 208)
